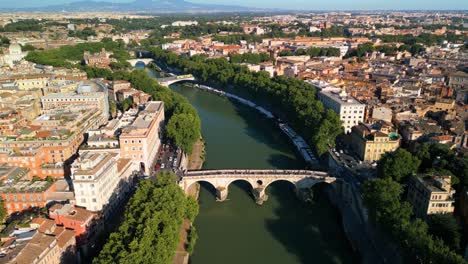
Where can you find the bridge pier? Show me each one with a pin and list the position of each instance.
(221, 194)
(260, 195)
(305, 194)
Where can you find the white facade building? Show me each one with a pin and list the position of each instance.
(350, 110)
(184, 23)
(92, 95)
(14, 55)
(101, 180)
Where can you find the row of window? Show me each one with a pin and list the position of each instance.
(344, 112)
(17, 206)
(23, 198)
(441, 205)
(133, 141)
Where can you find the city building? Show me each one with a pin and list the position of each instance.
(350, 110)
(14, 55)
(370, 142)
(430, 194)
(140, 141)
(74, 218)
(101, 180)
(51, 244)
(22, 195)
(88, 95)
(100, 60)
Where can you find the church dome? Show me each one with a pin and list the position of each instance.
(15, 48)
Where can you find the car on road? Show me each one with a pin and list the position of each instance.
(163, 165)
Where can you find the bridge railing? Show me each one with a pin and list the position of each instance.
(256, 172)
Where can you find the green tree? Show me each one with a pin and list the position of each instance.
(445, 227)
(3, 212)
(127, 103)
(382, 198)
(150, 230)
(398, 165)
(184, 130)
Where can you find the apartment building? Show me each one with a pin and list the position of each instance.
(430, 194)
(74, 218)
(100, 60)
(88, 95)
(23, 195)
(350, 110)
(140, 141)
(101, 180)
(370, 142)
(51, 244)
(44, 150)
(28, 82)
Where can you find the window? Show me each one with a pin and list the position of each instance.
(83, 200)
(94, 200)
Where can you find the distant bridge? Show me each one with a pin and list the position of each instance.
(171, 80)
(133, 62)
(258, 180)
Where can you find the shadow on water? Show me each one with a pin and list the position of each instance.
(242, 185)
(308, 234)
(208, 187)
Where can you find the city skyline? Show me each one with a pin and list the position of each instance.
(290, 5)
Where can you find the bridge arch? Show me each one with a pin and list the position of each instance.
(145, 61)
(239, 180)
(194, 184)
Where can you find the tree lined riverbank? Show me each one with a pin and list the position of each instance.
(283, 230)
(290, 99)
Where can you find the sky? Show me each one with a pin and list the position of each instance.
(292, 4)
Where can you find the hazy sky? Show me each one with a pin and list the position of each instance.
(292, 4)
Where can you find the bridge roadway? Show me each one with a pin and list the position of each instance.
(171, 80)
(146, 61)
(258, 180)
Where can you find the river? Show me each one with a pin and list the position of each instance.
(283, 229)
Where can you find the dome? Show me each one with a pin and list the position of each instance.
(15, 48)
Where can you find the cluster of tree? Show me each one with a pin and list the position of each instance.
(425, 38)
(291, 99)
(253, 58)
(235, 39)
(27, 47)
(4, 41)
(82, 34)
(71, 56)
(3, 212)
(394, 170)
(22, 25)
(426, 158)
(184, 125)
(382, 198)
(313, 52)
(369, 47)
(150, 230)
(126, 104)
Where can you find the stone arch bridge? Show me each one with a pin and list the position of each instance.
(258, 180)
(133, 62)
(171, 80)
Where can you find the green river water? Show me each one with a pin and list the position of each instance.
(283, 230)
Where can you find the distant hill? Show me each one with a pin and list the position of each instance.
(138, 6)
